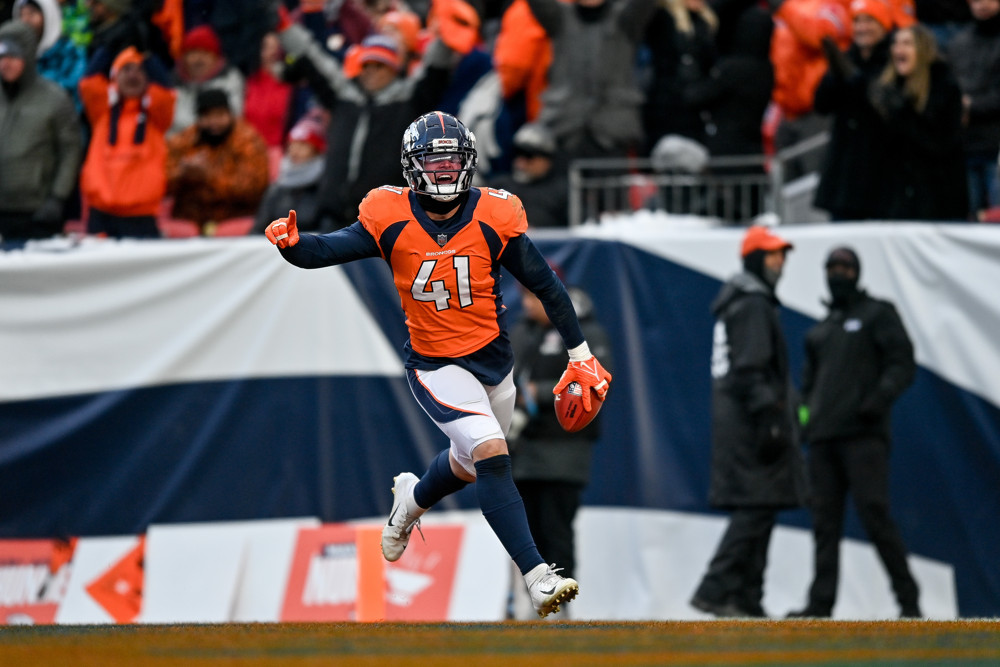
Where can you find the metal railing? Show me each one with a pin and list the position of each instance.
(733, 189)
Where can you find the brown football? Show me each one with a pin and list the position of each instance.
(569, 407)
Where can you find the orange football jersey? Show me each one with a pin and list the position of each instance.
(449, 292)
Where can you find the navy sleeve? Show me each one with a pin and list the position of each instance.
(524, 261)
(339, 247)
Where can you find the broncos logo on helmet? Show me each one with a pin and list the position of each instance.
(439, 156)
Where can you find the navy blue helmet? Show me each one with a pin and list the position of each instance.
(439, 156)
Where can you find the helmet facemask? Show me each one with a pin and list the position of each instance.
(443, 175)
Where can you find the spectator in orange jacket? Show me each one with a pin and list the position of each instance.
(217, 169)
(799, 64)
(124, 176)
(521, 56)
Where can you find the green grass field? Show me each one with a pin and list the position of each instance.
(974, 642)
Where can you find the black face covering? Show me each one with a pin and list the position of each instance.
(840, 263)
(754, 263)
(842, 288)
(212, 139)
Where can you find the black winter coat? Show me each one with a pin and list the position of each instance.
(679, 59)
(749, 381)
(545, 201)
(974, 55)
(858, 361)
(543, 450)
(735, 95)
(925, 173)
(851, 182)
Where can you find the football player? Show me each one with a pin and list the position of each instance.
(446, 242)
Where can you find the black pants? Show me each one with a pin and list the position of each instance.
(17, 226)
(736, 572)
(551, 507)
(118, 226)
(860, 466)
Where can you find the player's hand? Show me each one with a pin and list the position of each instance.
(590, 374)
(283, 232)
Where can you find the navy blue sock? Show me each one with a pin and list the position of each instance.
(439, 481)
(504, 511)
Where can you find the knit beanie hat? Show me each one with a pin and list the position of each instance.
(877, 9)
(211, 98)
(311, 131)
(128, 55)
(202, 38)
(380, 49)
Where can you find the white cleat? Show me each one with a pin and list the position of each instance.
(396, 532)
(548, 590)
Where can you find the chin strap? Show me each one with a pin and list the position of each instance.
(432, 205)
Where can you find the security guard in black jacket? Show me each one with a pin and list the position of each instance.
(858, 361)
(757, 466)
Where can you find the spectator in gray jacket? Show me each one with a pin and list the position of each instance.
(593, 102)
(40, 141)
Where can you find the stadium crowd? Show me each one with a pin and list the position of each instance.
(149, 118)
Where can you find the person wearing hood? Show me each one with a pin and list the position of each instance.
(859, 360)
(58, 58)
(757, 467)
(40, 141)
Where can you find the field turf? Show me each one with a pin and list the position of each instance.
(511, 644)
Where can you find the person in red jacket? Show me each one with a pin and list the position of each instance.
(124, 176)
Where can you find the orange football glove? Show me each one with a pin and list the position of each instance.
(283, 232)
(590, 374)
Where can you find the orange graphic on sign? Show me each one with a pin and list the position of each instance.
(119, 590)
